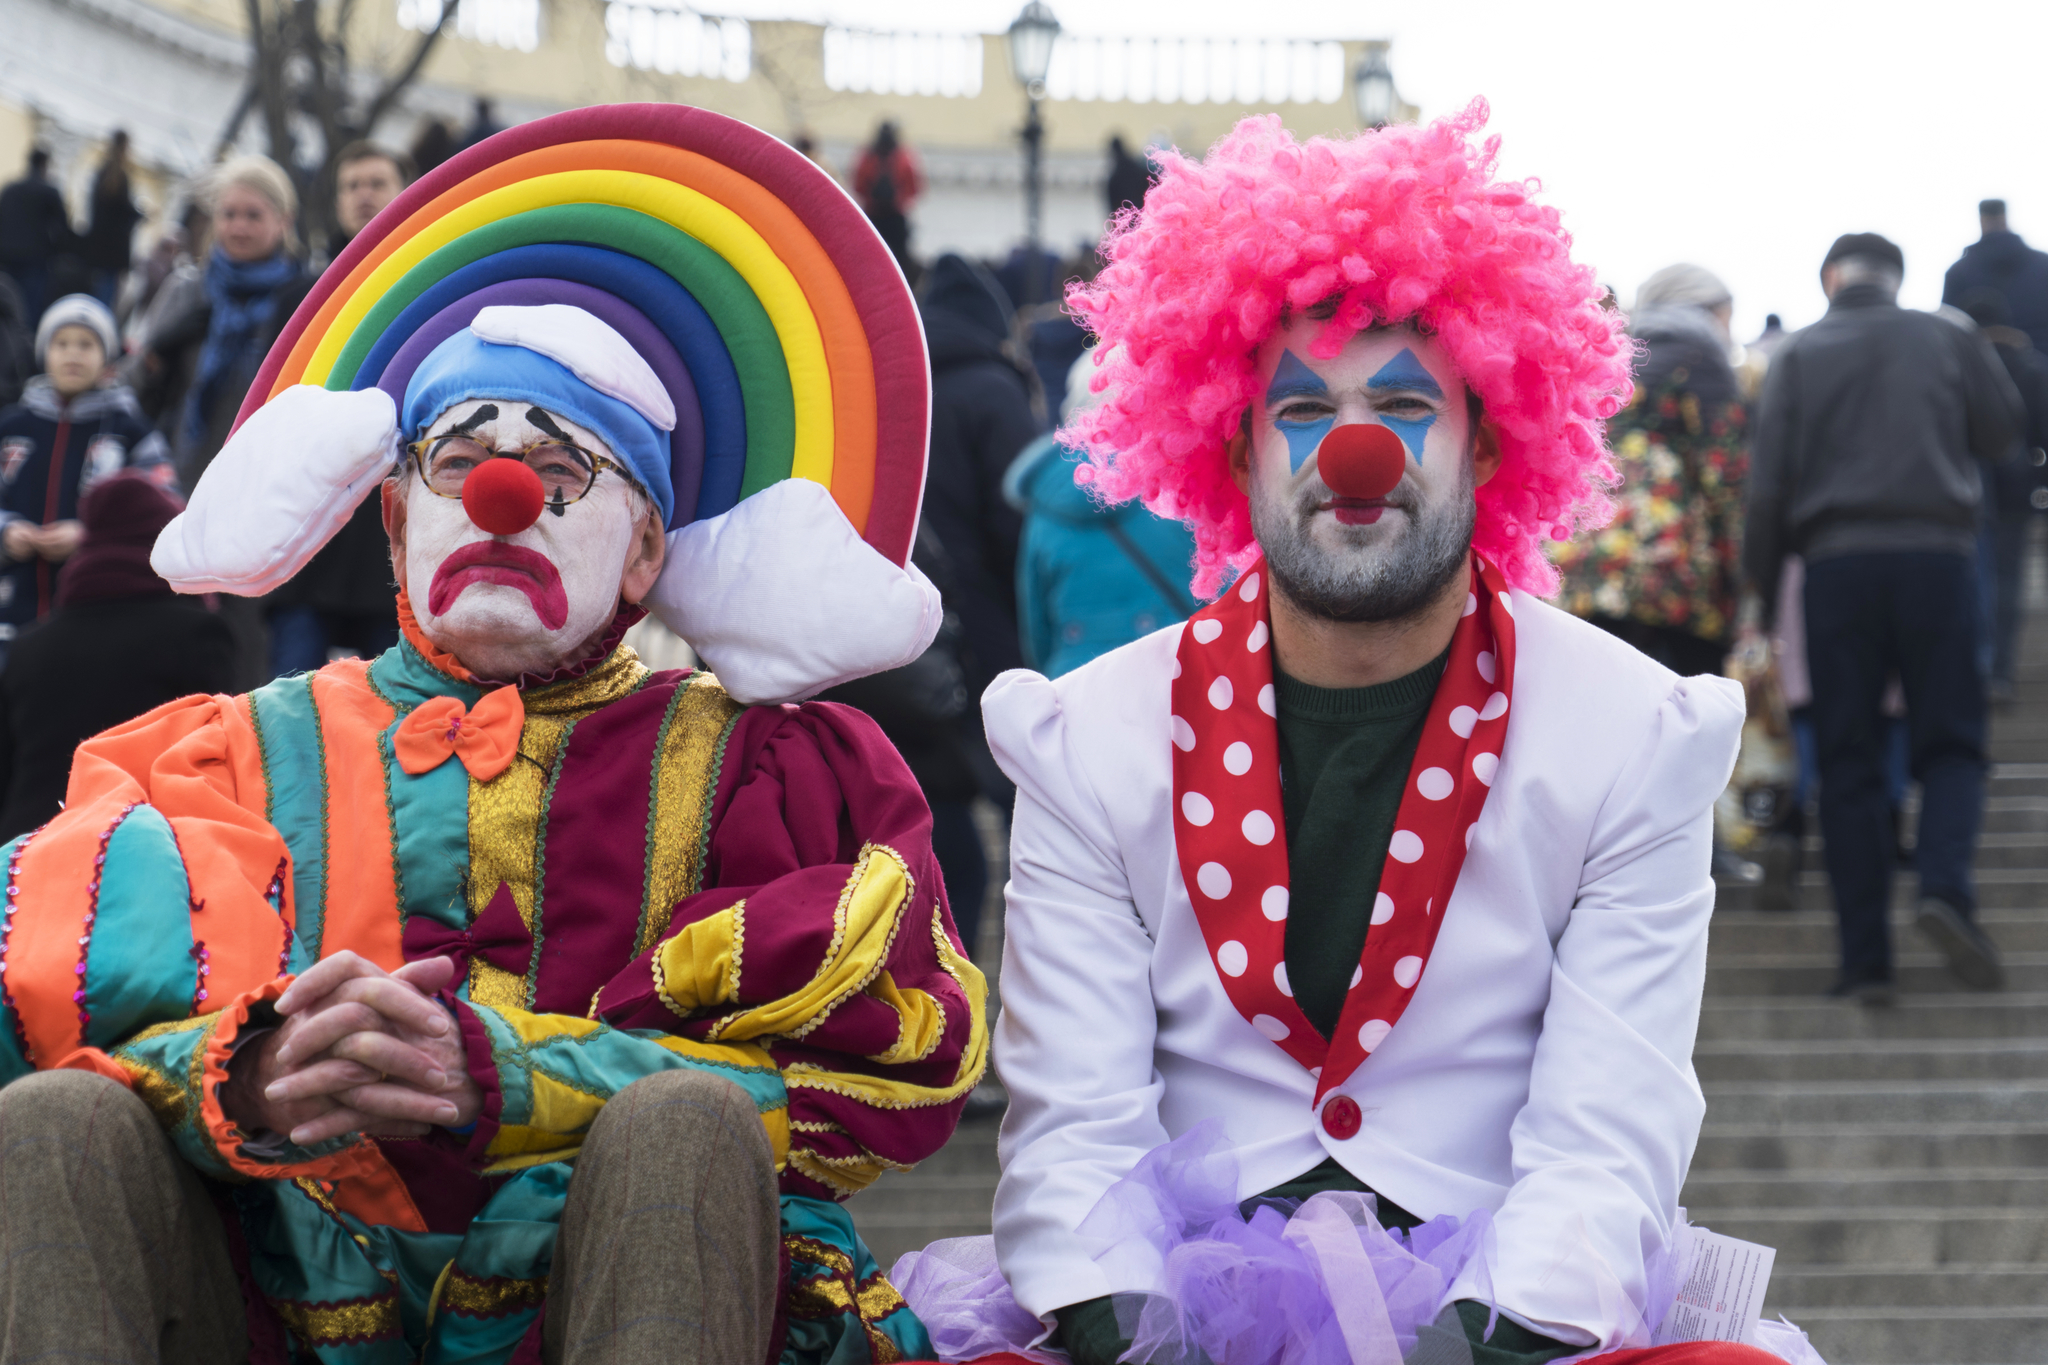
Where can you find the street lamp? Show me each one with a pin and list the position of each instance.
(1372, 87)
(1031, 40)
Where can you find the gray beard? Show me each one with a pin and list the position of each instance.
(1388, 581)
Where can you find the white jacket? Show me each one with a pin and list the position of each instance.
(1543, 1068)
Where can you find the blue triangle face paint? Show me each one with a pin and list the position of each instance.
(1404, 371)
(1293, 379)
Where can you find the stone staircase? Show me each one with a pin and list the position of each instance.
(1896, 1158)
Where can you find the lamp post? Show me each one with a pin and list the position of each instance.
(1032, 34)
(1372, 87)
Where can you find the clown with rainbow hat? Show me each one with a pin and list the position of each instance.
(499, 999)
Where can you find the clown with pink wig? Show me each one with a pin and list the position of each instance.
(1357, 927)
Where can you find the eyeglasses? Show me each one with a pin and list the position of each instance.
(567, 471)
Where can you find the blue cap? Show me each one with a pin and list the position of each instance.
(465, 366)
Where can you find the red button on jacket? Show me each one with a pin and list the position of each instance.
(1341, 1118)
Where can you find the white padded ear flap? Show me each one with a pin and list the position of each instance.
(279, 490)
(782, 599)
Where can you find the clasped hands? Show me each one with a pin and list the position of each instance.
(56, 542)
(360, 1050)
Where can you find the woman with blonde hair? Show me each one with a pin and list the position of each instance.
(253, 279)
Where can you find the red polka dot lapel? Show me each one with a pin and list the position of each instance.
(1228, 816)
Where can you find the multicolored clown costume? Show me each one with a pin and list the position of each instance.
(634, 872)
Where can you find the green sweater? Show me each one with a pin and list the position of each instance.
(1344, 760)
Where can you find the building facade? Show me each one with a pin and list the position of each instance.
(173, 73)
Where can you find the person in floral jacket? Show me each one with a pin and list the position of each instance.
(1665, 573)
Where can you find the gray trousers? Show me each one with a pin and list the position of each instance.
(111, 1249)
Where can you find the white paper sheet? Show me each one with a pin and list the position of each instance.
(1721, 1287)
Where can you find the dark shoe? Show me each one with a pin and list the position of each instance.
(1971, 954)
(1870, 993)
(1782, 857)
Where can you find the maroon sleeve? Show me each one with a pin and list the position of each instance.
(877, 1013)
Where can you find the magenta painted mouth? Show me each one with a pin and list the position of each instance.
(512, 566)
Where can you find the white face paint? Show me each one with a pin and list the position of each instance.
(1354, 559)
(527, 603)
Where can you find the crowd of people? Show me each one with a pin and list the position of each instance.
(1372, 751)
(134, 372)
(1858, 494)
(1860, 491)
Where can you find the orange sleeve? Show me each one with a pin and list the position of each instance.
(195, 762)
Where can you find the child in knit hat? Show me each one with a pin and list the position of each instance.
(74, 426)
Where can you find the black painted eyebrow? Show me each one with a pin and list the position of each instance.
(487, 413)
(539, 418)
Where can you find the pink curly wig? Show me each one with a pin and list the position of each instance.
(1402, 224)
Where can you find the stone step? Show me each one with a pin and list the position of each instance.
(971, 1152)
(2017, 729)
(2015, 836)
(2002, 815)
(1764, 932)
(1997, 888)
(1856, 1102)
(942, 1195)
(2006, 1285)
(2013, 1335)
(1867, 1060)
(1947, 1187)
(1972, 1014)
(2016, 777)
(1869, 1234)
(1865, 1146)
(1915, 970)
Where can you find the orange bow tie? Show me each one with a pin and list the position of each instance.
(484, 736)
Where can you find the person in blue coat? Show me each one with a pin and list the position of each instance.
(1089, 577)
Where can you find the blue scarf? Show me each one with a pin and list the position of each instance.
(242, 294)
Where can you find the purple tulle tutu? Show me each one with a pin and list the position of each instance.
(1268, 1282)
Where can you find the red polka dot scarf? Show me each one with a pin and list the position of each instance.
(1228, 816)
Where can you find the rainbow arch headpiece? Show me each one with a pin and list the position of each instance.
(774, 315)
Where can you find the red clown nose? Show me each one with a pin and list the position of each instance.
(503, 497)
(1362, 460)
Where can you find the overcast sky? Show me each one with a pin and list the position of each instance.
(1742, 134)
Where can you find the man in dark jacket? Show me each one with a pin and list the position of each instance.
(2010, 487)
(120, 643)
(967, 544)
(2000, 260)
(981, 418)
(34, 226)
(17, 343)
(1867, 446)
(1129, 178)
